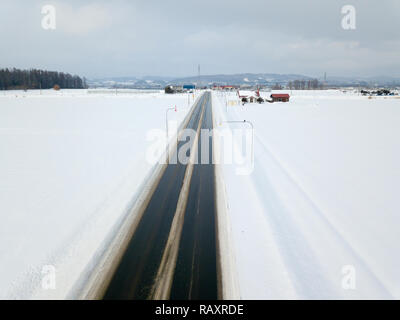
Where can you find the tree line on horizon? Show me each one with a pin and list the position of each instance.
(14, 79)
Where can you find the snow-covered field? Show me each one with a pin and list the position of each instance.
(319, 210)
(70, 162)
(319, 216)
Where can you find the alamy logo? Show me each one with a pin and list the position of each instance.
(349, 277)
(236, 148)
(49, 18)
(49, 277)
(349, 18)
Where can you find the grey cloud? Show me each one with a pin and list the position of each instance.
(122, 38)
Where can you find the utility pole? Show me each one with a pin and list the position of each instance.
(198, 75)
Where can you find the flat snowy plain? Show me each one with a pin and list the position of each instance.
(322, 199)
(319, 216)
(70, 162)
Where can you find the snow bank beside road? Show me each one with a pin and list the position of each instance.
(69, 166)
(322, 197)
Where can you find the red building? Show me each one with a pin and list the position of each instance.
(280, 97)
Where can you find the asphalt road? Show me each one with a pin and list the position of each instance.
(172, 254)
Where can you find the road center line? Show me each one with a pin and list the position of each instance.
(163, 281)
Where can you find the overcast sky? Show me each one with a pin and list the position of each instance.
(171, 37)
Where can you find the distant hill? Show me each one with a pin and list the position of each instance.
(250, 79)
(243, 79)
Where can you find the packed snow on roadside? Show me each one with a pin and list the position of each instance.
(70, 163)
(318, 218)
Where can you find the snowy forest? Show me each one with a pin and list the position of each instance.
(38, 79)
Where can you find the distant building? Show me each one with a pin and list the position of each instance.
(252, 99)
(173, 89)
(280, 97)
(189, 87)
